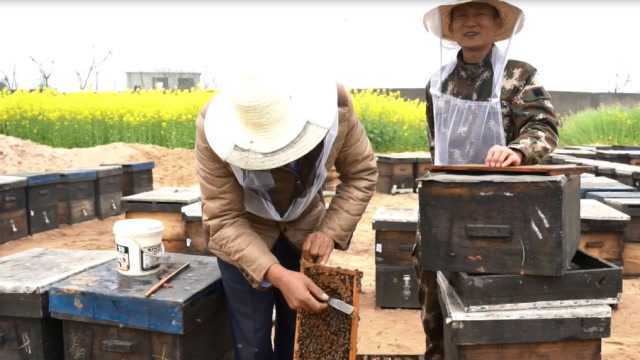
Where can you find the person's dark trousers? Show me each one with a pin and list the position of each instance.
(432, 320)
(251, 311)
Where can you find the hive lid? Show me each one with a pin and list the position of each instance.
(192, 212)
(630, 206)
(104, 171)
(396, 219)
(12, 182)
(594, 210)
(603, 195)
(79, 175)
(549, 170)
(40, 178)
(175, 195)
(134, 166)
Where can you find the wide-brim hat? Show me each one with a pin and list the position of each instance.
(437, 20)
(263, 121)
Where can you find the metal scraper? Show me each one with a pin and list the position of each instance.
(340, 306)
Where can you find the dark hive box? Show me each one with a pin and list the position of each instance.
(13, 208)
(108, 191)
(26, 329)
(395, 173)
(396, 287)
(395, 235)
(136, 177)
(42, 200)
(499, 223)
(77, 196)
(589, 281)
(570, 332)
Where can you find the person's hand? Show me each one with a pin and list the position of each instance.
(300, 292)
(502, 156)
(317, 248)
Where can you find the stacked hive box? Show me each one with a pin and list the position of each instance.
(136, 177)
(507, 243)
(13, 208)
(165, 205)
(26, 329)
(106, 315)
(630, 205)
(108, 191)
(76, 193)
(395, 238)
(600, 184)
(197, 234)
(398, 172)
(602, 230)
(42, 200)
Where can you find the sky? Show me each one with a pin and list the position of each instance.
(576, 45)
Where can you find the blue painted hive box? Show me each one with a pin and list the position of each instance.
(26, 329)
(106, 314)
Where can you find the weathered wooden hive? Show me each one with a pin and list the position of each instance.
(106, 315)
(395, 238)
(27, 330)
(13, 208)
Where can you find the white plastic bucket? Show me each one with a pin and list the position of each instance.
(139, 246)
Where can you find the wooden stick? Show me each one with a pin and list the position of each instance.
(164, 280)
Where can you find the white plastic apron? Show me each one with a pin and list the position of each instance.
(465, 130)
(257, 183)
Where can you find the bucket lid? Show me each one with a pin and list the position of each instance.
(137, 227)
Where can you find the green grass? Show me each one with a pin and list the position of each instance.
(605, 126)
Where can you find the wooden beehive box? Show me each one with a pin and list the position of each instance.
(499, 223)
(166, 205)
(395, 173)
(579, 153)
(13, 208)
(627, 174)
(422, 164)
(197, 233)
(601, 184)
(623, 156)
(108, 191)
(546, 333)
(136, 177)
(396, 287)
(395, 238)
(589, 281)
(631, 253)
(395, 235)
(42, 200)
(602, 230)
(106, 315)
(26, 329)
(77, 193)
(331, 334)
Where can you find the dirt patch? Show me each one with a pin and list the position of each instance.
(174, 167)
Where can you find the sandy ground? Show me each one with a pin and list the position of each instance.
(380, 331)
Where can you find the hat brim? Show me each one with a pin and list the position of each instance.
(314, 110)
(437, 20)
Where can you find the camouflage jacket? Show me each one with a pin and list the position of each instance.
(530, 123)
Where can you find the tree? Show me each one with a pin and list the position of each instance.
(83, 78)
(45, 72)
(9, 81)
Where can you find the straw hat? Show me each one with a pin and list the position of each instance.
(261, 121)
(437, 20)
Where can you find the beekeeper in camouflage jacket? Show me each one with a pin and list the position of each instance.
(473, 117)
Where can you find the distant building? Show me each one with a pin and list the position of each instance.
(162, 80)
